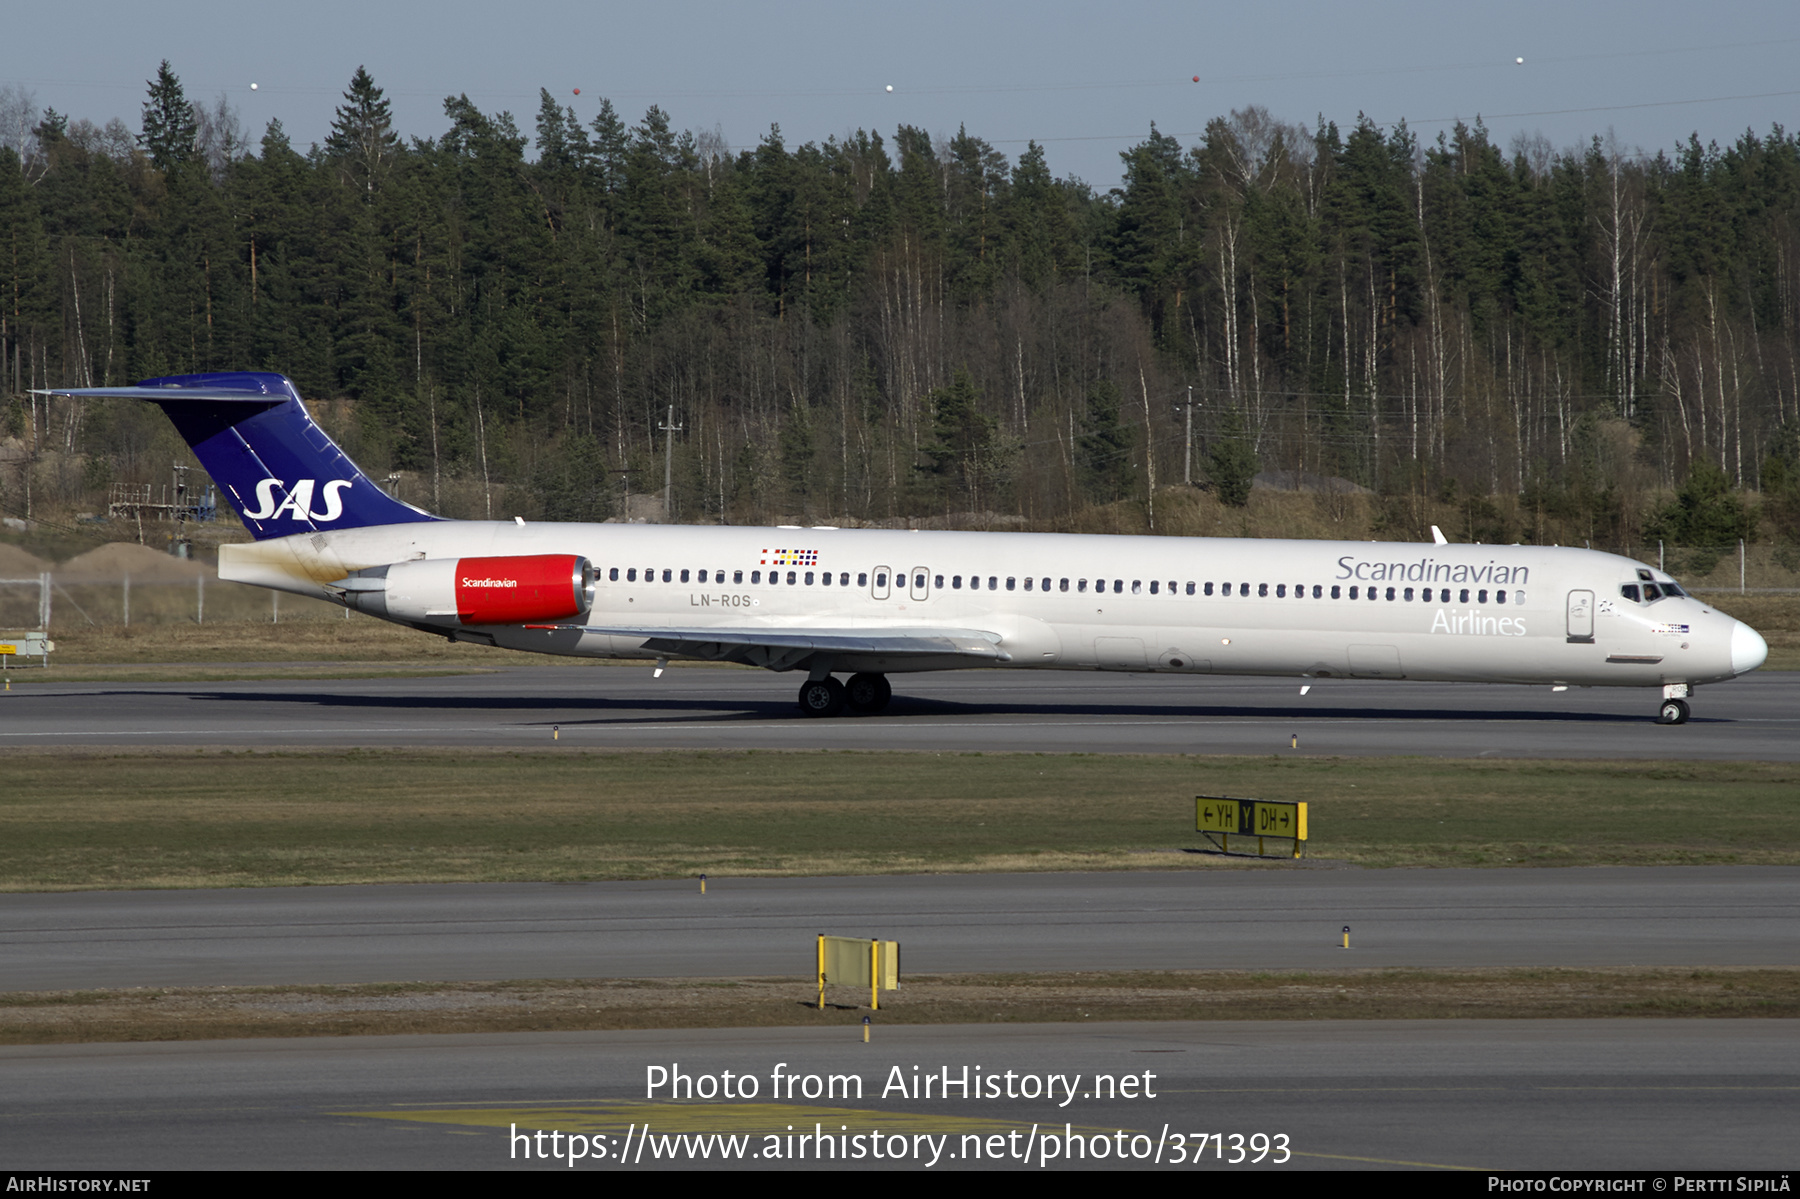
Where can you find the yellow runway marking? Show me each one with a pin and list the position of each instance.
(701, 1117)
(1387, 1161)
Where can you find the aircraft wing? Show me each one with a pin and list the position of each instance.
(783, 649)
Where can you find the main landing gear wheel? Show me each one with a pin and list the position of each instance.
(1674, 711)
(822, 697)
(868, 692)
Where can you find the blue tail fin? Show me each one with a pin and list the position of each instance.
(278, 469)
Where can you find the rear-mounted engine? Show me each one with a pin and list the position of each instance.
(475, 591)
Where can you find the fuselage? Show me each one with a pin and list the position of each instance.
(1311, 609)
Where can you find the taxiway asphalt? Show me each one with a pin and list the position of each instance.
(622, 706)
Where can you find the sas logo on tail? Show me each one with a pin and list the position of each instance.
(298, 504)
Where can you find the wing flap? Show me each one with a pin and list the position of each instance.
(735, 644)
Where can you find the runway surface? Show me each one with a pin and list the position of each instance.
(1286, 918)
(611, 707)
(1543, 1094)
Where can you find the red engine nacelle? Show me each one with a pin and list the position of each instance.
(510, 590)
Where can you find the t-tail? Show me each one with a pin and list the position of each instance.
(277, 468)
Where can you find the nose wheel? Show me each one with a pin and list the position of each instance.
(1674, 711)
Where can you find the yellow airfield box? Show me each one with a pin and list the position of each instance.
(852, 961)
(1224, 817)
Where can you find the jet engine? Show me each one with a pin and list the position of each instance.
(474, 591)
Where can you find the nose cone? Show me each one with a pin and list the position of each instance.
(1748, 649)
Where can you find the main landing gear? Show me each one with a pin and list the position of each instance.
(865, 693)
(1674, 711)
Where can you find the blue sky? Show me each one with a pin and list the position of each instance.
(1086, 80)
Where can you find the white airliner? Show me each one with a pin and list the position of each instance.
(869, 603)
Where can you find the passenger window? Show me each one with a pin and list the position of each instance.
(994, 581)
(1281, 591)
(703, 577)
(756, 576)
(791, 577)
(1408, 595)
(809, 578)
(1028, 583)
(1080, 585)
(1481, 596)
(1262, 590)
(613, 574)
(862, 578)
(1463, 596)
(939, 582)
(1318, 591)
(684, 576)
(1337, 592)
(1390, 595)
(668, 575)
(1063, 585)
(631, 575)
(1137, 586)
(880, 579)
(1499, 597)
(737, 576)
(1010, 580)
(1153, 590)
(825, 578)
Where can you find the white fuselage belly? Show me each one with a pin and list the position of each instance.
(1526, 639)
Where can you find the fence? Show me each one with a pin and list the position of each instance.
(55, 601)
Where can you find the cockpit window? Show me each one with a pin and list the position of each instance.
(1629, 591)
(1672, 589)
(1651, 593)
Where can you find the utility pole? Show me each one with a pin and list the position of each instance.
(669, 428)
(1187, 451)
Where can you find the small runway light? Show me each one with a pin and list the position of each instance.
(1294, 741)
(1346, 936)
(865, 1030)
(703, 884)
(556, 732)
